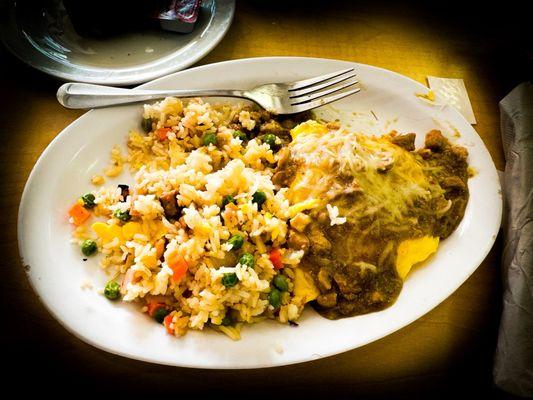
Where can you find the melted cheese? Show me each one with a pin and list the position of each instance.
(390, 177)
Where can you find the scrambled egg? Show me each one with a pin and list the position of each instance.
(304, 286)
(308, 127)
(414, 251)
(367, 158)
(108, 232)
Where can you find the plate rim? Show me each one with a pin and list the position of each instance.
(297, 360)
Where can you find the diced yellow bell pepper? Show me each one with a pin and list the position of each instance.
(414, 251)
(130, 229)
(304, 286)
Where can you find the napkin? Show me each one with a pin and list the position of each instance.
(513, 366)
(452, 92)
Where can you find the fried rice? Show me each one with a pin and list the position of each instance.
(178, 265)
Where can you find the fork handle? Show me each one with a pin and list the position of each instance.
(84, 95)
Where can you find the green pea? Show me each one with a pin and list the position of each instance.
(259, 198)
(228, 199)
(230, 279)
(210, 138)
(112, 290)
(160, 314)
(147, 124)
(247, 259)
(88, 247)
(281, 283)
(240, 134)
(270, 139)
(122, 215)
(88, 200)
(227, 321)
(274, 298)
(236, 241)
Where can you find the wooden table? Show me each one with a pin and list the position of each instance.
(450, 347)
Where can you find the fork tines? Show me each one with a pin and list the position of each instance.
(305, 91)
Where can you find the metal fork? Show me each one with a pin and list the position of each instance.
(279, 98)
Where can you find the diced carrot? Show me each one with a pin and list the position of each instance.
(167, 321)
(153, 306)
(162, 133)
(275, 258)
(178, 265)
(79, 214)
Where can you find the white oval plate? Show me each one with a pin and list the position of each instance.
(62, 173)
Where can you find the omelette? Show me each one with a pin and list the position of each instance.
(376, 207)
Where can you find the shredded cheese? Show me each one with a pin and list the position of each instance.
(389, 177)
(333, 212)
